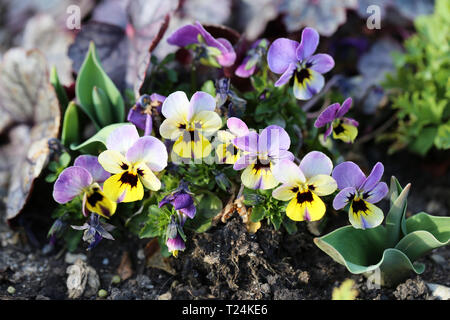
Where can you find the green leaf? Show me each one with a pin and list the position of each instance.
(71, 126)
(59, 89)
(51, 178)
(92, 75)
(424, 141)
(102, 106)
(276, 220)
(258, 213)
(209, 87)
(425, 233)
(64, 160)
(209, 205)
(97, 141)
(395, 219)
(290, 226)
(156, 224)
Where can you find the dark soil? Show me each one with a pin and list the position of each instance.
(227, 262)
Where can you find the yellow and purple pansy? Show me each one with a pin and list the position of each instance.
(84, 179)
(293, 59)
(262, 153)
(360, 193)
(132, 160)
(303, 186)
(343, 128)
(189, 123)
(208, 50)
(226, 151)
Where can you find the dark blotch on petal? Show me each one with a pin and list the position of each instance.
(129, 178)
(359, 206)
(303, 197)
(94, 198)
(302, 75)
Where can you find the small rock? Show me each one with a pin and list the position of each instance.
(439, 291)
(303, 277)
(105, 261)
(102, 293)
(165, 296)
(70, 258)
(412, 289)
(11, 290)
(41, 297)
(141, 254)
(82, 280)
(439, 259)
(115, 279)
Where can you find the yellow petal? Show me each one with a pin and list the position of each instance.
(284, 192)
(322, 184)
(113, 161)
(364, 215)
(305, 206)
(208, 121)
(96, 201)
(170, 129)
(227, 153)
(201, 147)
(124, 187)
(148, 178)
(345, 132)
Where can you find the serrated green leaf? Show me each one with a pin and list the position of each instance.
(258, 213)
(92, 75)
(156, 224)
(98, 140)
(71, 126)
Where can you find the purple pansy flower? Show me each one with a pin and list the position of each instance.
(208, 50)
(181, 199)
(253, 57)
(263, 152)
(343, 128)
(290, 58)
(360, 192)
(141, 113)
(175, 241)
(95, 231)
(84, 179)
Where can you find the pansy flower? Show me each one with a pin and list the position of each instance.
(188, 123)
(95, 231)
(208, 50)
(132, 160)
(84, 179)
(181, 199)
(253, 57)
(360, 193)
(175, 241)
(263, 152)
(141, 113)
(343, 128)
(293, 59)
(226, 151)
(303, 186)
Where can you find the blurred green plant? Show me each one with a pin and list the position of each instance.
(421, 86)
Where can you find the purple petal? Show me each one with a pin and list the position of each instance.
(327, 116)
(237, 127)
(157, 97)
(248, 143)
(348, 174)
(373, 178)
(137, 117)
(351, 121)
(184, 36)
(345, 107)
(182, 200)
(148, 125)
(122, 138)
(242, 72)
(149, 150)
(308, 45)
(189, 211)
(273, 139)
(70, 184)
(314, 163)
(321, 62)
(166, 200)
(209, 39)
(202, 101)
(327, 132)
(286, 76)
(91, 164)
(343, 198)
(281, 53)
(175, 244)
(377, 193)
(244, 162)
(228, 56)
